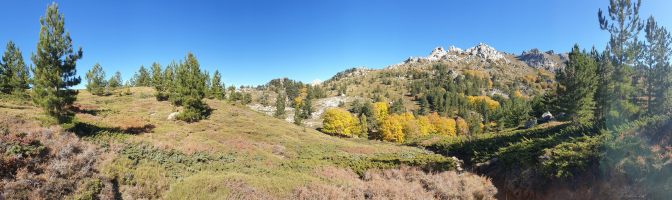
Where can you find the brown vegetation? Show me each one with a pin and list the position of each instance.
(403, 183)
(45, 163)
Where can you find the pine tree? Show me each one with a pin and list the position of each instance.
(398, 107)
(233, 95)
(115, 81)
(280, 106)
(217, 87)
(3, 77)
(190, 85)
(513, 112)
(298, 115)
(424, 106)
(168, 84)
(577, 84)
(55, 67)
(157, 76)
(208, 85)
(95, 80)
(14, 72)
(624, 25)
(603, 96)
(657, 61)
(142, 78)
(307, 107)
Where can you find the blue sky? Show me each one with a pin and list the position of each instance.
(253, 41)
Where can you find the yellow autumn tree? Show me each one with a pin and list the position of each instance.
(338, 121)
(409, 125)
(462, 126)
(425, 127)
(442, 125)
(391, 129)
(476, 73)
(519, 94)
(475, 100)
(380, 111)
(303, 94)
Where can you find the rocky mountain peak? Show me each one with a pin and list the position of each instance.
(485, 52)
(437, 53)
(453, 49)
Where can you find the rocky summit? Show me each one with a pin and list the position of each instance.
(485, 53)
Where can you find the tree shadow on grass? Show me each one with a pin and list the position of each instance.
(83, 129)
(16, 107)
(91, 110)
(483, 148)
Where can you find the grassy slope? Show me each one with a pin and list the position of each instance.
(235, 149)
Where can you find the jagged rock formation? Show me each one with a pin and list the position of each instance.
(481, 52)
(453, 49)
(544, 60)
(486, 52)
(437, 54)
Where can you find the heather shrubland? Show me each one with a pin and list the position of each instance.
(45, 163)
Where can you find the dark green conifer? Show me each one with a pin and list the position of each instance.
(217, 87)
(55, 67)
(577, 84)
(14, 75)
(95, 80)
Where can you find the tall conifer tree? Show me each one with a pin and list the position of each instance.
(14, 75)
(657, 61)
(190, 87)
(623, 23)
(157, 75)
(55, 67)
(577, 86)
(217, 88)
(279, 106)
(142, 78)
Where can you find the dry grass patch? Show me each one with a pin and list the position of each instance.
(402, 183)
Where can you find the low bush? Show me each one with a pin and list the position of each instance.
(428, 162)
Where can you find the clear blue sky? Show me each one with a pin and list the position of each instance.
(253, 41)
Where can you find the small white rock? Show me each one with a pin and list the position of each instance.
(173, 116)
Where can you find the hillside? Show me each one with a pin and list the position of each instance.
(133, 151)
(530, 73)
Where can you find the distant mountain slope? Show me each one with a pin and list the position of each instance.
(529, 73)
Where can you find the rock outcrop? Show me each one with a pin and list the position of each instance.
(485, 52)
(481, 52)
(544, 60)
(437, 54)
